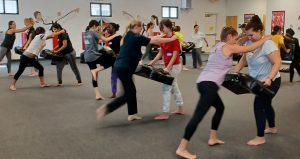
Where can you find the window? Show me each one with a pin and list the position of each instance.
(9, 7)
(101, 9)
(170, 12)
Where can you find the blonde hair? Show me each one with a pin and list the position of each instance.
(130, 26)
(29, 20)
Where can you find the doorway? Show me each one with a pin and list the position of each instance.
(232, 21)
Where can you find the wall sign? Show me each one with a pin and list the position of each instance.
(278, 18)
(247, 17)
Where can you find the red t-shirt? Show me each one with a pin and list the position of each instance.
(168, 49)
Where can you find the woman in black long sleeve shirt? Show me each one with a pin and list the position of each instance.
(125, 65)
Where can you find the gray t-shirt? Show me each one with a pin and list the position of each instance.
(91, 45)
(259, 64)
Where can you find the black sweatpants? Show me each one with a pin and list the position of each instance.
(24, 61)
(263, 109)
(129, 96)
(209, 97)
(294, 65)
(183, 57)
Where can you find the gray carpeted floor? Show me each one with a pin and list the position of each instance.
(59, 123)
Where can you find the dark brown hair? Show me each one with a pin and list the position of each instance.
(227, 31)
(165, 22)
(156, 19)
(10, 23)
(177, 28)
(276, 29)
(255, 24)
(149, 25)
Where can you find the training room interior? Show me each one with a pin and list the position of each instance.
(60, 122)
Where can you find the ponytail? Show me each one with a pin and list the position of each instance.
(130, 26)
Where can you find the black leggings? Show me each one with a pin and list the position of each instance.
(209, 97)
(295, 64)
(183, 57)
(263, 109)
(129, 96)
(24, 61)
(105, 61)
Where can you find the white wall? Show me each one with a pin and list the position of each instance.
(241, 7)
(199, 8)
(261, 7)
(76, 23)
(292, 12)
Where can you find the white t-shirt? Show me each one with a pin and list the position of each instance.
(35, 45)
(197, 39)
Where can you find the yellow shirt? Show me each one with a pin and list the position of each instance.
(180, 37)
(278, 39)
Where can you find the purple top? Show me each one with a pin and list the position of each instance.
(217, 66)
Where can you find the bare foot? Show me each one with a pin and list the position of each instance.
(271, 130)
(12, 87)
(99, 98)
(59, 85)
(101, 112)
(78, 84)
(163, 116)
(179, 111)
(113, 95)
(33, 74)
(134, 117)
(10, 74)
(44, 85)
(213, 142)
(185, 154)
(257, 141)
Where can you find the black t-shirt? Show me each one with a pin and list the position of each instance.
(61, 38)
(114, 44)
(297, 48)
(292, 43)
(130, 52)
(31, 32)
(9, 40)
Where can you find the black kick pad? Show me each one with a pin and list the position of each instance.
(48, 54)
(19, 50)
(188, 47)
(240, 83)
(156, 74)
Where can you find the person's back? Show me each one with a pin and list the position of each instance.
(217, 66)
(130, 52)
(91, 45)
(297, 48)
(36, 44)
(180, 38)
(278, 39)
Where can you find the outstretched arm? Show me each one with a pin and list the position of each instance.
(231, 49)
(158, 40)
(55, 34)
(11, 31)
